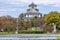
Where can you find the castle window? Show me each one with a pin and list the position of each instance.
(39, 15)
(26, 15)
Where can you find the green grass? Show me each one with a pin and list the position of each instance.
(6, 33)
(3, 32)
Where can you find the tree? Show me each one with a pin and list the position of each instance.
(32, 23)
(7, 26)
(52, 17)
(7, 23)
(21, 15)
(27, 25)
(39, 22)
(21, 25)
(34, 18)
(48, 28)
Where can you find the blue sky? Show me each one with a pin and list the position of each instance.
(16, 7)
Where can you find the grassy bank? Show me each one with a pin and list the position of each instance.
(26, 32)
(6, 33)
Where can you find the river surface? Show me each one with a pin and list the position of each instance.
(29, 37)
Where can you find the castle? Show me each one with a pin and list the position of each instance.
(31, 12)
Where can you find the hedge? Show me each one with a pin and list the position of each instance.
(30, 31)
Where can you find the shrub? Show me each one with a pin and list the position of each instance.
(30, 31)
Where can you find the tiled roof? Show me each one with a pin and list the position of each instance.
(32, 13)
(32, 4)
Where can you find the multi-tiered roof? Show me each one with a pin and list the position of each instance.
(32, 11)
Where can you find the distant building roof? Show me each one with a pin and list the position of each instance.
(32, 4)
(32, 13)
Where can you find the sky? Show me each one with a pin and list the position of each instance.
(16, 7)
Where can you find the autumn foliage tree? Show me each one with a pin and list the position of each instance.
(52, 17)
(6, 23)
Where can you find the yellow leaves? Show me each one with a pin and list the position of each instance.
(53, 17)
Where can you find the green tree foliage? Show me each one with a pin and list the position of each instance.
(52, 17)
(21, 15)
(32, 23)
(21, 25)
(27, 25)
(8, 22)
(34, 18)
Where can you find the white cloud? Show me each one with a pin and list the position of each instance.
(8, 9)
(45, 2)
(21, 4)
(2, 13)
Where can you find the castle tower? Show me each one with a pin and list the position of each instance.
(32, 8)
(32, 12)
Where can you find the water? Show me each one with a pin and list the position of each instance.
(28, 37)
